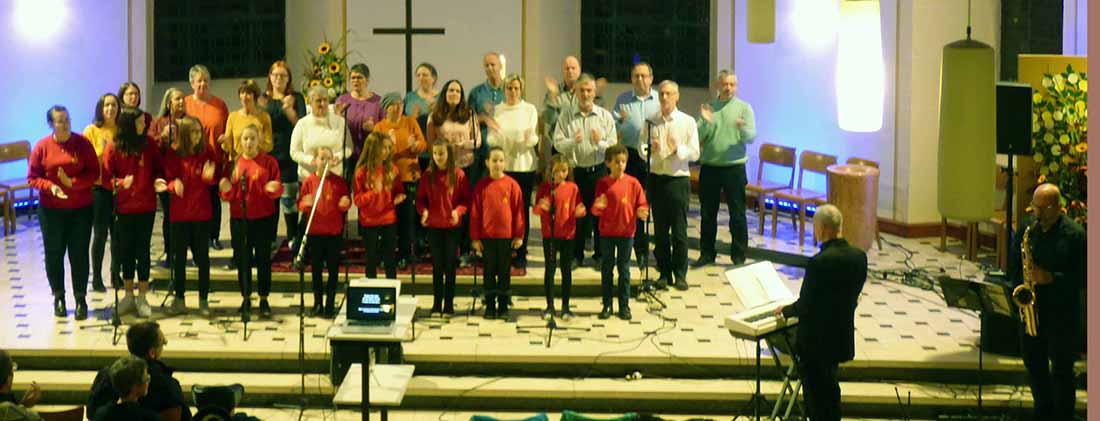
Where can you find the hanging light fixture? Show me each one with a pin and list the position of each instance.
(860, 70)
(968, 130)
(761, 21)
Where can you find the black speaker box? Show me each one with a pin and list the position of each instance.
(1013, 118)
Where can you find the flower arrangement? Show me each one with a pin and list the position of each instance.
(1059, 137)
(326, 68)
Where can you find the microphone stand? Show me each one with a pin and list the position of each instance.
(116, 320)
(344, 232)
(648, 286)
(299, 264)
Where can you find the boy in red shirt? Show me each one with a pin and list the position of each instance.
(496, 228)
(557, 235)
(619, 201)
(324, 239)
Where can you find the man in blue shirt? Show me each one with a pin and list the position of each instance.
(632, 109)
(482, 99)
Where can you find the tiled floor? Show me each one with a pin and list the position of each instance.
(896, 324)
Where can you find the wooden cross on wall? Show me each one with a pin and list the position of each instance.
(408, 31)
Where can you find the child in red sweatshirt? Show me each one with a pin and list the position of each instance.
(378, 191)
(441, 200)
(497, 228)
(133, 164)
(560, 200)
(259, 174)
(189, 168)
(619, 201)
(324, 235)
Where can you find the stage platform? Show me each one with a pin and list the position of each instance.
(907, 341)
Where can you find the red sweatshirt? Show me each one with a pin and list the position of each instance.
(439, 200)
(77, 158)
(259, 170)
(566, 199)
(496, 210)
(624, 197)
(376, 207)
(145, 166)
(195, 203)
(329, 219)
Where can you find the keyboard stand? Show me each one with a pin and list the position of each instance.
(758, 398)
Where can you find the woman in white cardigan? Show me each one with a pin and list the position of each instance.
(513, 128)
(320, 128)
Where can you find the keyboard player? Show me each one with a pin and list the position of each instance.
(826, 311)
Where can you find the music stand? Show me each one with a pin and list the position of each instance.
(979, 297)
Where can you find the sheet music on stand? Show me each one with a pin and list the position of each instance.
(759, 289)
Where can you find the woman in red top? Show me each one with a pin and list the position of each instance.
(378, 191)
(561, 197)
(189, 169)
(252, 186)
(325, 240)
(132, 163)
(63, 168)
(441, 202)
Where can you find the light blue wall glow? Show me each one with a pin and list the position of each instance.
(791, 86)
(84, 58)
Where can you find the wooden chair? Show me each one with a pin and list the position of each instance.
(998, 221)
(813, 162)
(73, 414)
(776, 155)
(12, 152)
(6, 211)
(873, 164)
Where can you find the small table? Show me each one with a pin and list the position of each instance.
(389, 381)
(854, 190)
(406, 309)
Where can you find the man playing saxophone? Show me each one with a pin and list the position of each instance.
(1055, 269)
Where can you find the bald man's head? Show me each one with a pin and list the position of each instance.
(1046, 204)
(570, 69)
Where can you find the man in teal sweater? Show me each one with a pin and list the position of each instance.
(726, 125)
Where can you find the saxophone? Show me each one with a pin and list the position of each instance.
(1024, 294)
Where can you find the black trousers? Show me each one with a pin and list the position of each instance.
(558, 253)
(256, 253)
(324, 252)
(66, 231)
(378, 242)
(443, 243)
(498, 271)
(586, 178)
(1049, 357)
(669, 213)
(407, 222)
(526, 181)
(130, 247)
(616, 255)
(103, 218)
(713, 181)
(165, 225)
(193, 235)
(820, 389)
(638, 167)
(216, 215)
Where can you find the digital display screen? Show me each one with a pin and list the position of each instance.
(372, 304)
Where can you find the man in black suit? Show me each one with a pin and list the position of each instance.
(826, 310)
(1058, 271)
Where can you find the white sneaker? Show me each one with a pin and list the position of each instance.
(126, 305)
(143, 309)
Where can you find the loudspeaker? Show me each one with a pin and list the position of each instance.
(1013, 118)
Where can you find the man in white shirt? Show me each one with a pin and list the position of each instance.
(583, 134)
(632, 109)
(673, 139)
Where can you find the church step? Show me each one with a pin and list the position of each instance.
(261, 389)
(662, 395)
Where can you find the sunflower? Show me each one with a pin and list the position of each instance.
(314, 82)
(334, 67)
(328, 82)
(324, 48)
(1081, 147)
